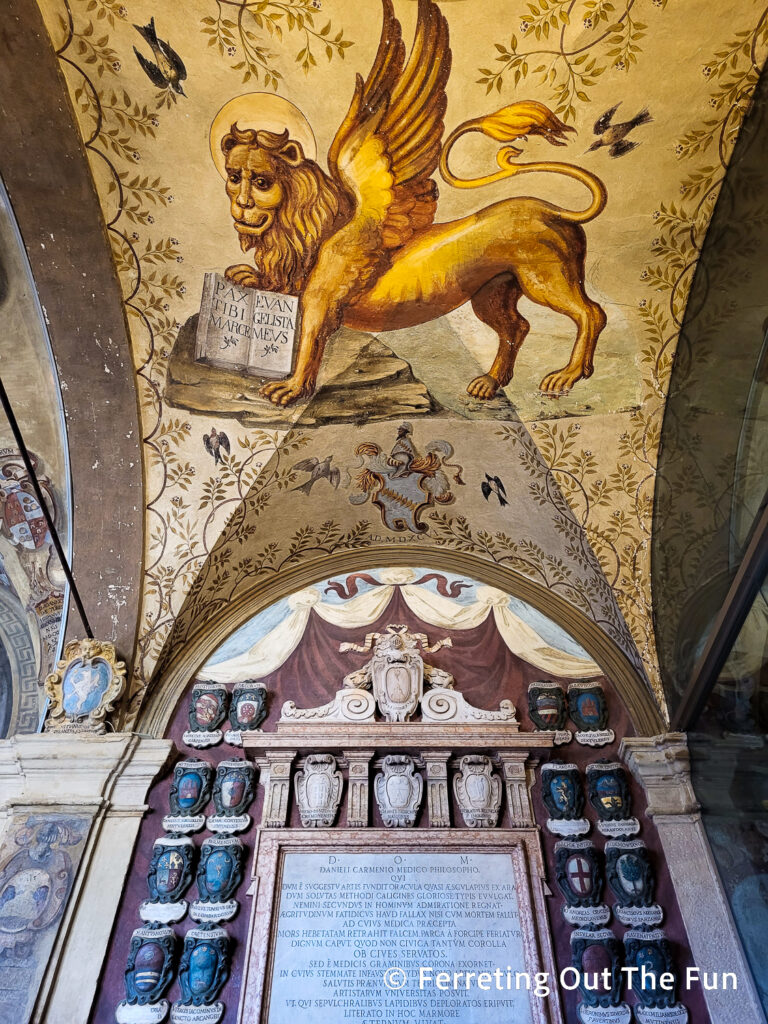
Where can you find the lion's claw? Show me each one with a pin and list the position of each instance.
(483, 387)
(560, 382)
(284, 392)
(243, 275)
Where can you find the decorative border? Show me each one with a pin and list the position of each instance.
(268, 859)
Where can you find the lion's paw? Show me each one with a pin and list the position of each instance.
(484, 387)
(284, 392)
(242, 274)
(560, 382)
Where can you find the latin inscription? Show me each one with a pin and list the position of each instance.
(372, 937)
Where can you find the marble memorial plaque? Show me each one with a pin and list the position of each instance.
(346, 919)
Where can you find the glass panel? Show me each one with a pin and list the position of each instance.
(712, 464)
(730, 776)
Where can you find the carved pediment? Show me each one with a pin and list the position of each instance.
(398, 684)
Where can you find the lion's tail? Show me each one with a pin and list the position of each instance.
(516, 122)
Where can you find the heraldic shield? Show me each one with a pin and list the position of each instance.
(397, 674)
(191, 787)
(220, 870)
(547, 706)
(648, 950)
(577, 869)
(207, 712)
(207, 706)
(149, 968)
(248, 708)
(398, 791)
(204, 966)
(629, 872)
(171, 868)
(318, 791)
(233, 789)
(561, 790)
(596, 955)
(478, 791)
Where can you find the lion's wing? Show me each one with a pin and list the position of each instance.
(388, 145)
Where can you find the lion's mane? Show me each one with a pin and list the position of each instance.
(285, 254)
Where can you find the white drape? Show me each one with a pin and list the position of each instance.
(269, 653)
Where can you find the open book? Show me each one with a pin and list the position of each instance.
(245, 329)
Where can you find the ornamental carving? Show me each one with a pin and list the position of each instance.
(318, 791)
(397, 677)
(398, 790)
(477, 791)
(85, 687)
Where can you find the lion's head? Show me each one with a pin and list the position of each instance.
(283, 204)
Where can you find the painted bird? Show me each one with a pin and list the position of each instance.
(169, 69)
(615, 135)
(319, 471)
(214, 442)
(493, 485)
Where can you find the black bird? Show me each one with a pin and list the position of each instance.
(214, 442)
(614, 135)
(493, 485)
(169, 69)
(319, 471)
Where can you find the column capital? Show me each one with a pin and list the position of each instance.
(662, 765)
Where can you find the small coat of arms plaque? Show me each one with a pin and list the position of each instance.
(85, 687)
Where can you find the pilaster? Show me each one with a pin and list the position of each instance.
(100, 784)
(661, 764)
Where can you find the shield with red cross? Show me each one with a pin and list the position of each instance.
(579, 873)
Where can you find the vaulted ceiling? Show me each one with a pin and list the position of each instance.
(543, 489)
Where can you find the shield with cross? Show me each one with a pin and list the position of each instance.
(577, 869)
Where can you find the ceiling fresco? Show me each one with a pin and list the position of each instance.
(407, 427)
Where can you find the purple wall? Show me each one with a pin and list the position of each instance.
(486, 672)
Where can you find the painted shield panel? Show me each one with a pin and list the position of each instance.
(561, 788)
(202, 968)
(478, 790)
(218, 871)
(148, 966)
(190, 787)
(206, 709)
(23, 899)
(609, 792)
(318, 791)
(169, 871)
(595, 960)
(232, 790)
(397, 684)
(630, 872)
(589, 709)
(84, 684)
(579, 874)
(246, 710)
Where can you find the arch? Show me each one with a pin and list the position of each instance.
(19, 704)
(631, 687)
(49, 183)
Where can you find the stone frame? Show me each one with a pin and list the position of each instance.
(268, 859)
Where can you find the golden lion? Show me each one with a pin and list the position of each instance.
(360, 245)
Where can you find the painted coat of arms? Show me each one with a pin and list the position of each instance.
(21, 517)
(405, 482)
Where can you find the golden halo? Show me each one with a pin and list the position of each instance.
(263, 111)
